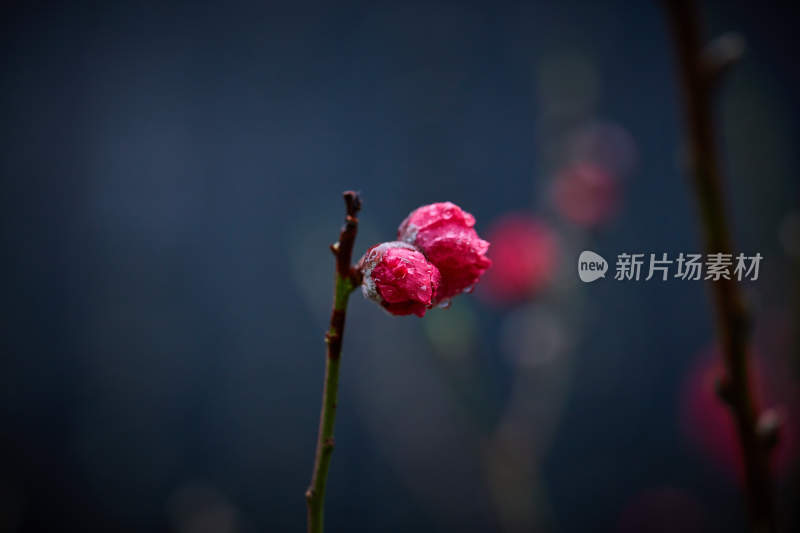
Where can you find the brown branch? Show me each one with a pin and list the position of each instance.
(343, 250)
(346, 280)
(699, 71)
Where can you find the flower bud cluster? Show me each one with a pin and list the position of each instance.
(438, 255)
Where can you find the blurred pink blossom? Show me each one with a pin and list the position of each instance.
(586, 194)
(708, 423)
(605, 144)
(524, 255)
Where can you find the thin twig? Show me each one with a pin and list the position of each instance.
(346, 280)
(699, 73)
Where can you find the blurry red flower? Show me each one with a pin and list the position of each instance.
(445, 234)
(524, 258)
(708, 423)
(399, 278)
(586, 194)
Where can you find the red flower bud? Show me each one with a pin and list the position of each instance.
(445, 234)
(398, 277)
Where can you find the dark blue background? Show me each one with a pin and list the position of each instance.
(170, 182)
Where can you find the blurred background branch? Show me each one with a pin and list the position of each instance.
(700, 69)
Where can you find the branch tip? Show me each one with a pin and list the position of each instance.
(721, 54)
(344, 247)
(352, 201)
(768, 427)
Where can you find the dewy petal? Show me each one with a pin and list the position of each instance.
(399, 278)
(445, 234)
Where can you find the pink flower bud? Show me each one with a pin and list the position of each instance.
(398, 277)
(445, 234)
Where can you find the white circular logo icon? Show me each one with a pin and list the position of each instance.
(591, 266)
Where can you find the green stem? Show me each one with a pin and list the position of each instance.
(346, 280)
(315, 495)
